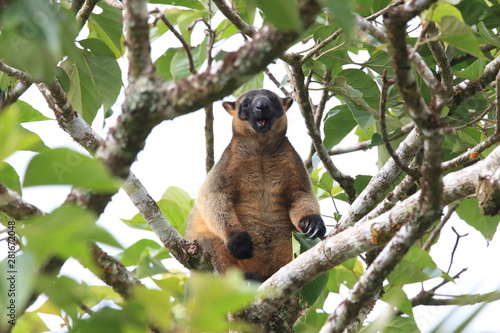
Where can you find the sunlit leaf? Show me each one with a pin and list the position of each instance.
(68, 230)
(107, 27)
(214, 297)
(63, 166)
(9, 177)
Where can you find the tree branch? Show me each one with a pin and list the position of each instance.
(137, 39)
(12, 204)
(234, 18)
(383, 129)
(302, 98)
(14, 94)
(360, 238)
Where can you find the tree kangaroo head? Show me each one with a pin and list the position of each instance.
(259, 111)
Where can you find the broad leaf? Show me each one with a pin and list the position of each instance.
(9, 177)
(107, 27)
(470, 213)
(459, 35)
(41, 28)
(283, 14)
(63, 166)
(68, 230)
(339, 122)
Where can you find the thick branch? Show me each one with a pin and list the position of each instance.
(12, 204)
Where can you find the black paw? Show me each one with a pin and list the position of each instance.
(313, 226)
(241, 245)
(254, 277)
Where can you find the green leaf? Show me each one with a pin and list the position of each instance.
(346, 274)
(416, 266)
(14, 137)
(470, 213)
(95, 81)
(313, 289)
(63, 166)
(155, 306)
(486, 35)
(107, 27)
(149, 266)
(137, 222)
(342, 13)
(179, 66)
(22, 274)
(174, 282)
(400, 325)
(460, 35)
(96, 47)
(9, 177)
(215, 296)
(27, 113)
(41, 28)
(358, 88)
(194, 4)
(30, 322)
(68, 230)
(68, 300)
(164, 64)
(132, 254)
(443, 9)
(339, 122)
(283, 14)
(396, 297)
(474, 71)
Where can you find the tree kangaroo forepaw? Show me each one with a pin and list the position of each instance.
(241, 245)
(313, 226)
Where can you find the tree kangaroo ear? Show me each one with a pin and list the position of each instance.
(230, 107)
(287, 102)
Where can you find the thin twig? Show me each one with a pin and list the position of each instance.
(437, 229)
(383, 129)
(455, 247)
(276, 82)
(177, 35)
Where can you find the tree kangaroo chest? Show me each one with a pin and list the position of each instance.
(260, 194)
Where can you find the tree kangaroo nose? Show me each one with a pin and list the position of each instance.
(262, 105)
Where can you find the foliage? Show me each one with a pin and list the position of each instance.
(42, 39)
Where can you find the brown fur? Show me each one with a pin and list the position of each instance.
(259, 186)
